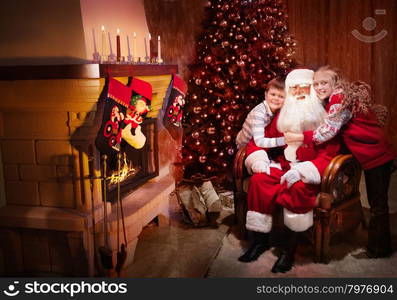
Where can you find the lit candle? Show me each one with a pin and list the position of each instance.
(118, 49)
(93, 35)
(112, 57)
(95, 55)
(159, 49)
(148, 45)
(145, 39)
(110, 44)
(128, 45)
(134, 46)
(129, 51)
(103, 41)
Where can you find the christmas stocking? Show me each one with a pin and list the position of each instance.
(116, 104)
(139, 106)
(174, 106)
(125, 107)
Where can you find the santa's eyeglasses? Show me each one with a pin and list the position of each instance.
(299, 89)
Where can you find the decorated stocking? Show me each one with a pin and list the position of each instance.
(138, 108)
(110, 133)
(124, 110)
(174, 107)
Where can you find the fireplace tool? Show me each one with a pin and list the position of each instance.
(105, 251)
(91, 178)
(121, 250)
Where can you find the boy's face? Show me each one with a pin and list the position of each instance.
(275, 98)
(323, 84)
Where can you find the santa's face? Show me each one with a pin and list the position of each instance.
(301, 111)
(300, 91)
(323, 84)
(275, 98)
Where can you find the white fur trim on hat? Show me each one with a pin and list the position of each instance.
(258, 222)
(298, 222)
(259, 155)
(308, 171)
(299, 76)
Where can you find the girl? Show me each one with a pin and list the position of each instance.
(351, 113)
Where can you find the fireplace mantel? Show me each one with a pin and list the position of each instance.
(83, 71)
(47, 123)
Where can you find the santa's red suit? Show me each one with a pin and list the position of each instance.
(265, 191)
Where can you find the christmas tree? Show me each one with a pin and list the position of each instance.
(244, 44)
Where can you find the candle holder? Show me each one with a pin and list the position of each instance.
(122, 60)
(104, 59)
(130, 59)
(96, 57)
(147, 59)
(111, 58)
(159, 60)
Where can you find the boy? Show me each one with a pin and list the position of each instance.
(261, 115)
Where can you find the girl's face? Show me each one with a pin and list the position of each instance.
(323, 84)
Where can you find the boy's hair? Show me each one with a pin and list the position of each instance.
(277, 83)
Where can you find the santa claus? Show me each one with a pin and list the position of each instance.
(292, 177)
(302, 108)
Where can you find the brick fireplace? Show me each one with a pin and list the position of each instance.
(48, 122)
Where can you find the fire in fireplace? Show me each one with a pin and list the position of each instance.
(137, 165)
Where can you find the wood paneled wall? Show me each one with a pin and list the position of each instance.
(322, 29)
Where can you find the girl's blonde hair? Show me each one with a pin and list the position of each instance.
(357, 95)
(336, 75)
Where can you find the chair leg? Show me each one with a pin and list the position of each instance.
(326, 241)
(318, 240)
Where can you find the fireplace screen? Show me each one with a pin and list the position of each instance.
(137, 165)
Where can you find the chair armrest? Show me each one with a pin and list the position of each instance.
(341, 178)
(238, 169)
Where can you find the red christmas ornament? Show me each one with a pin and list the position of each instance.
(211, 130)
(197, 109)
(208, 59)
(227, 138)
(253, 82)
(223, 23)
(240, 63)
(220, 84)
(195, 134)
(202, 159)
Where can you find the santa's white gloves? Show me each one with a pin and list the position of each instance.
(290, 177)
(260, 166)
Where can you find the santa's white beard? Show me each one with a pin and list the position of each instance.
(298, 116)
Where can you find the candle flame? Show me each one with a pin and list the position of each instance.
(150, 37)
(134, 34)
(158, 37)
(118, 31)
(103, 28)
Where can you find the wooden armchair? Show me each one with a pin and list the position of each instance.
(339, 207)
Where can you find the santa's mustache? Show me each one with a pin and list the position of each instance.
(301, 97)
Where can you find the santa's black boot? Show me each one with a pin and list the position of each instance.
(285, 261)
(259, 245)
